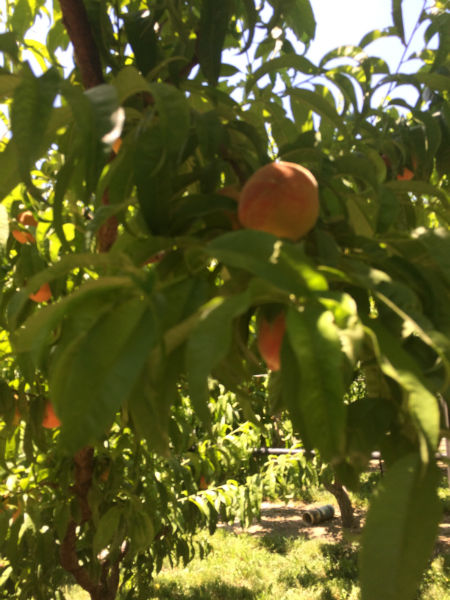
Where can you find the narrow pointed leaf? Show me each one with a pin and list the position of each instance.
(401, 528)
(214, 20)
(314, 339)
(208, 344)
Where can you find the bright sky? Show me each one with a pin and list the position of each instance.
(345, 22)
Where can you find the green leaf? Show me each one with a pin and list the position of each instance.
(128, 83)
(263, 255)
(397, 17)
(314, 339)
(142, 38)
(300, 18)
(376, 34)
(30, 115)
(422, 405)
(96, 372)
(318, 104)
(22, 18)
(35, 334)
(8, 45)
(106, 529)
(388, 209)
(174, 117)
(4, 228)
(287, 61)
(434, 81)
(8, 83)
(104, 102)
(214, 20)
(155, 393)
(208, 344)
(400, 531)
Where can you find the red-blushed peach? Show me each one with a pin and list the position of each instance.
(270, 338)
(281, 198)
(50, 420)
(43, 294)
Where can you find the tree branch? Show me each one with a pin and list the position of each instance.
(87, 56)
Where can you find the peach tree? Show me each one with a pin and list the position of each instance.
(129, 283)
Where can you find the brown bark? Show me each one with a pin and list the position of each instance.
(107, 585)
(87, 56)
(77, 24)
(344, 502)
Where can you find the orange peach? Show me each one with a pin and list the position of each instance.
(26, 218)
(280, 198)
(43, 294)
(405, 175)
(23, 237)
(50, 420)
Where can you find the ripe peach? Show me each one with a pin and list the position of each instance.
(23, 237)
(43, 294)
(116, 145)
(270, 338)
(280, 198)
(50, 420)
(405, 175)
(26, 218)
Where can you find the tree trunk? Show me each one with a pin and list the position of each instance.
(344, 502)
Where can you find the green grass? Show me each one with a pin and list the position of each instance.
(248, 567)
(245, 567)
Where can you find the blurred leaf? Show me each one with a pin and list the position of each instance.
(397, 17)
(400, 531)
(214, 20)
(8, 45)
(128, 83)
(314, 339)
(106, 529)
(142, 38)
(318, 104)
(388, 210)
(30, 114)
(174, 117)
(22, 18)
(8, 83)
(97, 371)
(35, 334)
(208, 344)
(422, 405)
(376, 34)
(287, 61)
(300, 18)
(262, 254)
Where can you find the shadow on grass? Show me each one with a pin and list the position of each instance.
(204, 591)
(275, 542)
(337, 563)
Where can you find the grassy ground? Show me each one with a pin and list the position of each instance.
(280, 562)
(245, 567)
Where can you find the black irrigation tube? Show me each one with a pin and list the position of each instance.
(281, 451)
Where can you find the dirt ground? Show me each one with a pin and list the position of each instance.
(287, 520)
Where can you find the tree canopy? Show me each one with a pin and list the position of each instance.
(129, 283)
